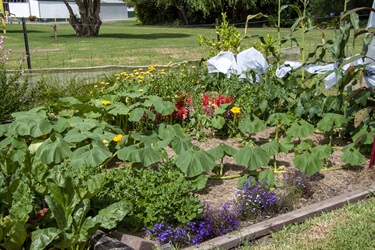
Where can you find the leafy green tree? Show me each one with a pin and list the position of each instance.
(89, 22)
(323, 8)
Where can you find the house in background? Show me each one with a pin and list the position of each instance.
(55, 10)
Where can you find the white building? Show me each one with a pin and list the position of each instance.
(50, 10)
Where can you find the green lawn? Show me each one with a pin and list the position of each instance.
(348, 228)
(123, 43)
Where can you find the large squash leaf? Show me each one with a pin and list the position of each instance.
(252, 158)
(54, 150)
(195, 162)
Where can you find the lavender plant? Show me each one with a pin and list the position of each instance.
(256, 201)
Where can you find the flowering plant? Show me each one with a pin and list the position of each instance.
(216, 222)
(210, 104)
(256, 201)
(183, 106)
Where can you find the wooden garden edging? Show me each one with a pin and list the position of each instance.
(266, 227)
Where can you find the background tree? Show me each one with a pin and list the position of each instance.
(88, 24)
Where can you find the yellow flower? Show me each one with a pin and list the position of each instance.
(117, 75)
(102, 83)
(105, 142)
(193, 67)
(151, 68)
(118, 139)
(118, 78)
(105, 103)
(140, 69)
(235, 110)
(95, 86)
(91, 92)
(202, 87)
(134, 70)
(141, 90)
(106, 83)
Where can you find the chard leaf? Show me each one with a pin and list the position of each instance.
(114, 213)
(41, 238)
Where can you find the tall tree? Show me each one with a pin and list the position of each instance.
(88, 24)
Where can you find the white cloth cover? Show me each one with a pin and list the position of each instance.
(250, 59)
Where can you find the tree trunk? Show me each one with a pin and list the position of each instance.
(89, 22)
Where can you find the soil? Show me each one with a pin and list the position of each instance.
(328, 184)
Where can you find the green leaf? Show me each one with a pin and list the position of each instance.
(146, 155)
(267, 176)
(54, 150)
(22, 203)
(34, 126)
(277, 119)
(286, 144)
(252, 158)
(90, 155)
(300, 129)
(194, 163)
(38, 111)
(222, 150)
(308, 163)
(218, 122)
(200, 182)
(74, 136)
(251, 126)
(180, 145)
(111, 215)
(331, 121)
(119, 108)
(322, 151)
(161, 106)
(41, 238)
(83, 124)
(352, 155)
(272, 147)
(136, 114)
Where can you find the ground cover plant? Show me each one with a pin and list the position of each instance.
(126, 144)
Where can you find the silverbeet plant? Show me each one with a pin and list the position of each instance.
(215, 222)
(256, 201)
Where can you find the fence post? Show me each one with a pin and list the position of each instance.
(26, 43)
(54, 32)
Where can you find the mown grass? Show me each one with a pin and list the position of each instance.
(351, 227)
(125, 43)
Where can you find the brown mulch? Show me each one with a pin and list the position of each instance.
(329, 183)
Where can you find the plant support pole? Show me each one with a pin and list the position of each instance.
(26, 43)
